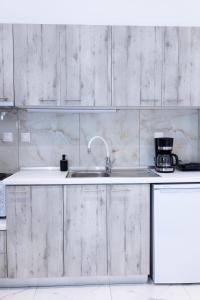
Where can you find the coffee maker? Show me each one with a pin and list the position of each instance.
(165, 160)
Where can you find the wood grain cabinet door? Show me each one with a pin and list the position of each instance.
(34, 231)
(136, 65)
(36, 65)
(85, 244)
(128, 229)
(85, 65)
(177, 67)
(3, 255)
(6, 65)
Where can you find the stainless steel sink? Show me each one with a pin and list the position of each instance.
(114, 173)
(78, 174)
(134, 173)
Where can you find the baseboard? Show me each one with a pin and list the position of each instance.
(72, 281)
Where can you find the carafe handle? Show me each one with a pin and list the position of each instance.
(174, 159)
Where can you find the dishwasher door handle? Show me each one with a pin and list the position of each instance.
(179, 190)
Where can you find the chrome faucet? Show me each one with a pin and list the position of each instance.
(108, 160)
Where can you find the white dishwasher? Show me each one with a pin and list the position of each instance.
(176, 233)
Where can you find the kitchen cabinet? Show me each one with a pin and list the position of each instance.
(3, 256)
(34, 231)
(194, 67)
(154, 66)
(6, 65)
(62, 65)
(77, 231)
(36, 65)
(99, 66)
(177, 68)
(106, 228)
(85, 233)
(85, 65)
(128, 229)
(137, 65)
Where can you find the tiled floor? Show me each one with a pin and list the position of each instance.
(114, 292)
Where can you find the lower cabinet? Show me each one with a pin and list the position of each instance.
(85, 240)
(128, 229)
(78, 230)
(3, 255)
(34, 231)
(106, 230)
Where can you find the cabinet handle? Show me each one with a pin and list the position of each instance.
(120, 190)
(89, 191)
(93, 191)
(45, 100)
(2, 99)
(153, 100)
(18, 192)
(174, 100)
(73, 100)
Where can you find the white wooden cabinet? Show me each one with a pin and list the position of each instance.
(77, 231)
(85, 240)
(62, 65)
(3, 256)
(177, 60)
(36, 65)
(136, 66)
(128, 229)
(6, 65)
(34, 231)
(85, 65)
(107, 228)
(193, 71)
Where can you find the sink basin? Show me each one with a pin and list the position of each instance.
(78, 174)
(115, 173)
(134, 173)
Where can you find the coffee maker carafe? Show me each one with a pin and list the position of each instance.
(165, 160)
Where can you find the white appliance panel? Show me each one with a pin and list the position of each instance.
(176, 233)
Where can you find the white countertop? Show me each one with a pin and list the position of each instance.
(52, 176)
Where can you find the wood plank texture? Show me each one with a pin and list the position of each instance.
(151, 48)
(36, 61)
(3, 256)
(6, 63)
(177, 67)
(72, 65)
(34, 231)
(85, 65)
(126, 66)
(137, 65)
(128, 229)
(195, 67)
(85, 248)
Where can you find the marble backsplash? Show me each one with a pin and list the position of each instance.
(129, 134)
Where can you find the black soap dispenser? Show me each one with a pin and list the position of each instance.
(63, 163)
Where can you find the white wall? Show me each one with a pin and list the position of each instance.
(117, 12)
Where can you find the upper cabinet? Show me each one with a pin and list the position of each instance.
(136, 66)
(85, 65)
(6, 65)
(177, 67)
(100, 66)
(154, 66)
(36, 65)
(62, 65)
